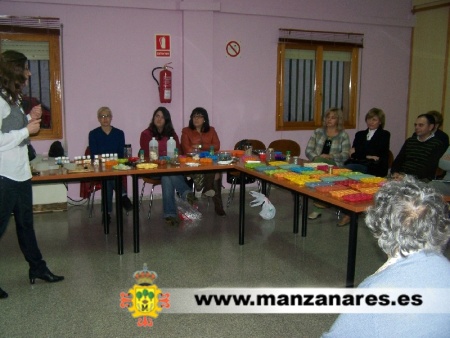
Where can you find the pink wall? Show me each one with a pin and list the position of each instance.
(108, 56)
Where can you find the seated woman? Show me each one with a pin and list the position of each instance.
(200, 135)
(161, 129)
(370, 151)
(329, 144)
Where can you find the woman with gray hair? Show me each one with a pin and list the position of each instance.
(411, 222)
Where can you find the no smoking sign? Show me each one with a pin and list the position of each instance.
(233, 49)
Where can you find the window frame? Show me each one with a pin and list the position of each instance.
(318, 47)
(56, 130)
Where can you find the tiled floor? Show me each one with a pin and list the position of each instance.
(201, 255)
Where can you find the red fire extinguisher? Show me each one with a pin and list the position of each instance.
(165, 83)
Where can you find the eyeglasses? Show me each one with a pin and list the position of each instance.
(197, 116)
(104, 116)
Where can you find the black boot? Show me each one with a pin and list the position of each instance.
(209, 189)
(217, 198)
(47, 276)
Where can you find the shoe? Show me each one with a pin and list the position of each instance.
(3, 294)
(174, 221)
(209, 193)
(209, 189)
(46, 276)
(314, 215)
(191, 199)
(344, 221)
(126, 203)
(320, 205)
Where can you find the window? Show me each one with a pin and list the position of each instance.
(41, 47)
(316, 71)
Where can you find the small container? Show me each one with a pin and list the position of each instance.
(295, 159)
(248, 150)
(330, 169)
(141, 155)
(224, 156)
(270, 155)
(175, 159)
(288, 156)
(211, 150)
(127, 151)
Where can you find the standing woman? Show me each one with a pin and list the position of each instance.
(200, 135)
(329, 144)
(161, 129)
(15, 174)
(370, 151)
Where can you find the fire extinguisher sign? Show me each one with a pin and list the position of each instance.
(162, 45)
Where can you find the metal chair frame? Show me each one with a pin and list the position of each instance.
(154, 182)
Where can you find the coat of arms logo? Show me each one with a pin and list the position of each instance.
(144, 300)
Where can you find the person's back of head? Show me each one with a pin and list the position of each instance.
(409, 216)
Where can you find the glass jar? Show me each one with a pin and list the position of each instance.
(127, 151)
(224, 156)
(270, 155)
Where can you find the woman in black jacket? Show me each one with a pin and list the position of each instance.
(370, 150)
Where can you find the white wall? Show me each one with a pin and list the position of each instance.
(108, 51)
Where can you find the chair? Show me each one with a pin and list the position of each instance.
(284, 145)
(233, 177)
(88, 189)
(154, 182)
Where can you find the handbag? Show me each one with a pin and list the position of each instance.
(199, 181)
(363, 161)
(31, 152)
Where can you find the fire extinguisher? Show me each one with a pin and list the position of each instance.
(165, 83)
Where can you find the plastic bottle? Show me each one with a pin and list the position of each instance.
(153, 150)
(171, 147)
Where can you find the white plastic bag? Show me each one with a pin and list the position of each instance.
(268, 210)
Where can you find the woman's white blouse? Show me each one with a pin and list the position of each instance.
(14, 162)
